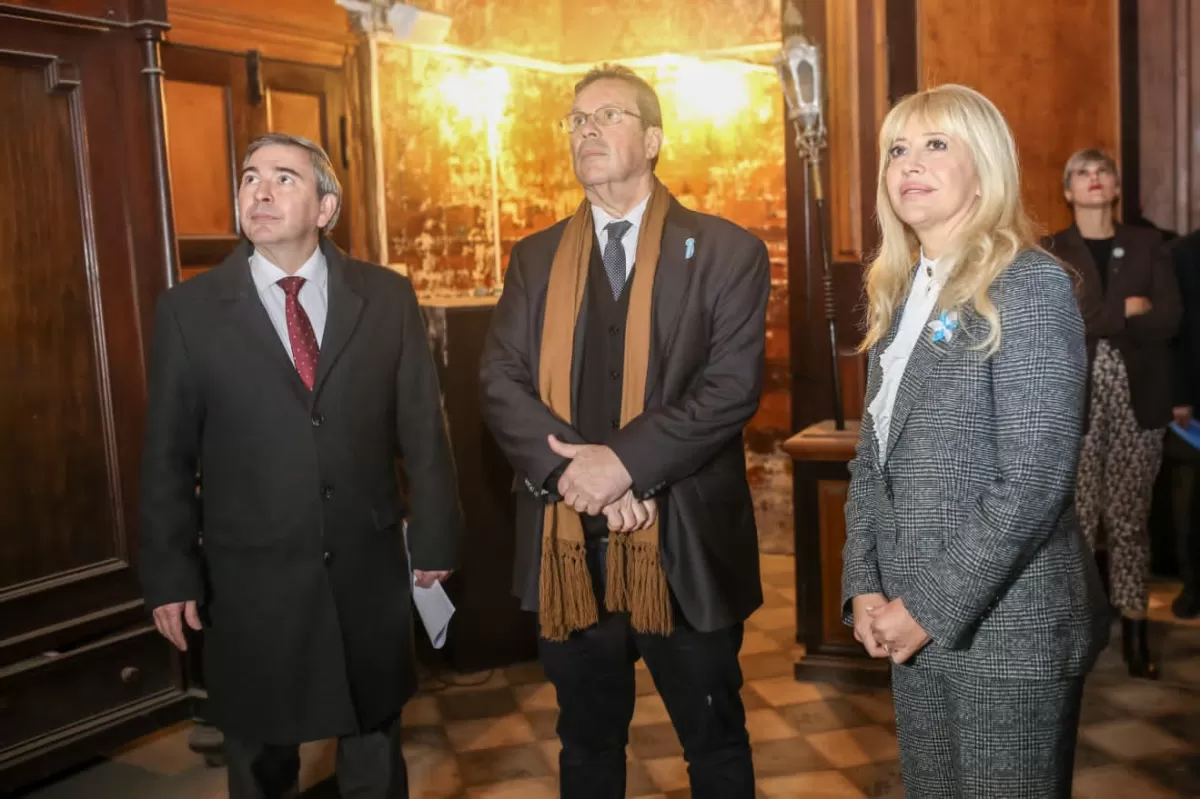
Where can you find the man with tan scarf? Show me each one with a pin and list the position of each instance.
(625, 358)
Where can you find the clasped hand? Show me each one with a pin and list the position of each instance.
(885, 629)
(597, 482)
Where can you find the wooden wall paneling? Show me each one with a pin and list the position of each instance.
(1051, 69)
(1157, 177)
(843, 69)
(310, 101)
(306, 31)
(1193, 103)
(217, 103)
(209, 122)
(81, 243)
(358, 131)
(855, 41)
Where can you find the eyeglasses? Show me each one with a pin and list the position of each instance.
(605, 116)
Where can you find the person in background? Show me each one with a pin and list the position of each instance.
(964, 563)
(293, 377)
(1184, 459)
(624, 360)
(1130, 303)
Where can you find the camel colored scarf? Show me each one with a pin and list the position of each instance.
(637, 583)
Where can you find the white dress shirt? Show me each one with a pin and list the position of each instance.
(922, 299)
(600, 218)
(313, 296)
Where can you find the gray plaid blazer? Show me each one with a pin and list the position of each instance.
(972, 521)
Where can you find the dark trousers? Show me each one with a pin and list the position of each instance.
(369, 766)
(1183, 466)
(696, 673)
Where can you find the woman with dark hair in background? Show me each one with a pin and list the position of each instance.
(1130, 304)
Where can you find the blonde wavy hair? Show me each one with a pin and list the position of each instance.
(986, 242)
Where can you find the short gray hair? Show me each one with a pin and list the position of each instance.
(1088, 155)
(327, 182)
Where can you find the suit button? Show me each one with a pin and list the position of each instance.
(318, 419)
(326, 491)
(614, 330)
(615, 424)
(614, 374)
(328, 557)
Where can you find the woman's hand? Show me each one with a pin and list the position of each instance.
(862, 605)
(897, 631)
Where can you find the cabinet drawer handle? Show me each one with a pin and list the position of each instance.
(129, 674)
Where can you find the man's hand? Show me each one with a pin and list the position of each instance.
(1183, 415)
(594, 479)
(1136, 306)
(627, 514)
(426, 579)
(862, 605)
(169, 621)
(899, 633)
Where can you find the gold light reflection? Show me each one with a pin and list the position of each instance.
(704, 91)
(475, 157)
(477, 93)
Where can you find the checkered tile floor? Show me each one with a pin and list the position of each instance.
(492, 735)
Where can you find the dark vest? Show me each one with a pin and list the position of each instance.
(601, 376)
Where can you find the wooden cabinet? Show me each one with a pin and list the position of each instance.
(217, 102)
(84, 232)
(489, 629)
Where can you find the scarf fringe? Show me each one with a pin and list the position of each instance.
(566, 603)
(637, 585)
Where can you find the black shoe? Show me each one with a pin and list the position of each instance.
(1186, 605)
(1136, 648)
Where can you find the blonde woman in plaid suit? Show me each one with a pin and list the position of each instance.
(964, 563)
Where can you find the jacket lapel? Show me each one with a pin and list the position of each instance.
(925, 356)
(1079, 255)
(672, 282)
(345, 308)
(240, 297)
(875, 381)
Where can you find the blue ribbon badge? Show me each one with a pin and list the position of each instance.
(944, 326)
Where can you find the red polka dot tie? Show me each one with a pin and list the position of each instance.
(300, 332)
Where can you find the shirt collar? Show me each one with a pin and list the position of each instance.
(266, 274)
(931, 270)
(634, 217)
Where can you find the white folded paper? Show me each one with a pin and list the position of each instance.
(435, 610)
(433, 606)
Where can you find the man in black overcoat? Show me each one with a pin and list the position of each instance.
(294, 379)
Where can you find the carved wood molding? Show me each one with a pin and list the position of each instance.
(193, 24)
(99, 15)
(62, 77)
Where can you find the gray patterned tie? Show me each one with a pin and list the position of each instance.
(614, 256)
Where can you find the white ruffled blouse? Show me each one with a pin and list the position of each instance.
(922, 299)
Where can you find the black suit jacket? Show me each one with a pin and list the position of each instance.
(1144, 270)
(704, 382)
(302, 571)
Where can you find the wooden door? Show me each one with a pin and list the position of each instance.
(217, 102)
(80, 263)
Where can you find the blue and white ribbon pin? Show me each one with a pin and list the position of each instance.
(689, 248)
(944, 326)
